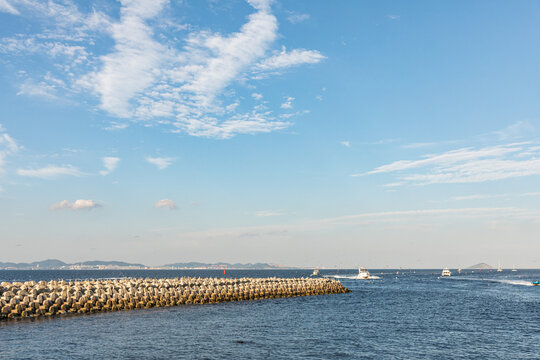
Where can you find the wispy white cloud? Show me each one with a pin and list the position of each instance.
(373, 218)
(269, 213)
(467, 165)
(110, 163)
(517, 130)
(76, 205)
(160, 162)
(134, 63)
(5, 6)
(257, 96)
(418, 145)
(33, 45)
(288, 103)
(491, 196)
(295, 18)
(346, 143)
(40, 89)
(286, 59)
(51, 171)
(67, 21)
(392, 16)
(8, 146)
(151, 77)
(459, 212)
(116, 126)
(165, 203)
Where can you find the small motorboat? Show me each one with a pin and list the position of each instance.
(315, 272)
(536, 283)
(363, 274)
(446, 272)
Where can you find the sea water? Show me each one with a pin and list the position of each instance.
(406, 314)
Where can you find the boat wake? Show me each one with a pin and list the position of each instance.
(353, 277)
(501, 281)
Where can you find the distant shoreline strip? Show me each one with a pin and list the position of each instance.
(31, 299)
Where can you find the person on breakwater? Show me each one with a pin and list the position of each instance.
(31, 299)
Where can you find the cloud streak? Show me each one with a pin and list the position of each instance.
(286, 59)
(269, 213)
(466, 165)
(374, 218)
(76, 205)
(51, 171)
(160, 162)
(8, 146)
(5, 6)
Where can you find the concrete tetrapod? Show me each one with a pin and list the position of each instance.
(31, 299)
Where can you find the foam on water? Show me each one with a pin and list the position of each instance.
(501, 281)
(352, 277)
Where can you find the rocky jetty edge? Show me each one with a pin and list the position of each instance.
(39, 299)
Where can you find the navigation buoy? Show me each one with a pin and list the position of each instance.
(224, 272)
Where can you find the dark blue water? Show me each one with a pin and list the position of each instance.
(411, 315)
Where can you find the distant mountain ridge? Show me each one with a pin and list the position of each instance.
(55, 264)
(481, 266)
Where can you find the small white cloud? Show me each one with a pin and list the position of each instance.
(393, 16)
(288, 103)
(292, 58)
(346, 143)
(51, 171)
(295, 18)
(110, 164)
(418, 145)
(268, 213)
(116, 126)
(160, 162)
(76, 205)
(165, 203)
(257, 96)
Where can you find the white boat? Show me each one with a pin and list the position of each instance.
(459, 271)
(315, 272)
(499, 268)
(514, 268)
(363, 274)
(446, 272)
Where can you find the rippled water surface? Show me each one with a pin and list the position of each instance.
(413, 314)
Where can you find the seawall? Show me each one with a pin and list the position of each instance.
(31, 299)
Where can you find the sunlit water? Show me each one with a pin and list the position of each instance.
(413, 314)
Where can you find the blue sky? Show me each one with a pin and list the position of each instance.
(305, 133)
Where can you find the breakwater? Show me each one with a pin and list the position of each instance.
(31, 299)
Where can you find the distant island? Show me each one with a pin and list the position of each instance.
(481, 266)
(54, 264)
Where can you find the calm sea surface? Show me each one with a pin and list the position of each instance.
(410, 315)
